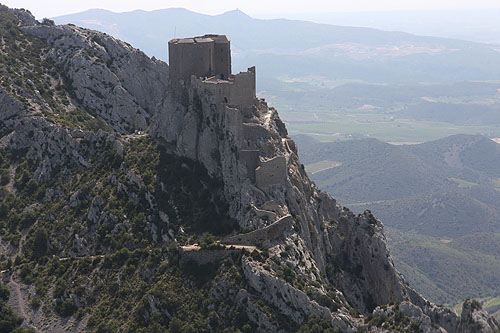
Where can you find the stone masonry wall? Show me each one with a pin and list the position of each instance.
(264, 236)
(251, 160)
(190, 58)
(243, 91)
(239, 90)
(270, 172)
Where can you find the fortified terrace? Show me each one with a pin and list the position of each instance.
(204, 64)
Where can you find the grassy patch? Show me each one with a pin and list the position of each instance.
(321, 166)
(463, 183)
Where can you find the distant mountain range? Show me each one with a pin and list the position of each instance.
(440, 200)
(455, 179)
(480, 25)
(297, 48)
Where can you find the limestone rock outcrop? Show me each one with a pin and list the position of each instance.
(119, 83)
(475, 319)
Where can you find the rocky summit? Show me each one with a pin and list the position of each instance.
(142, 198)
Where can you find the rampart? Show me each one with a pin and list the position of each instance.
(251, 160)
(204, 256)
(270, 172)
(262, 237)
(236, 90)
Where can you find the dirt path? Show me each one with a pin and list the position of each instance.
(12, 175)
(17, 298)
(333, 166)
(196, 247)
(81, 258)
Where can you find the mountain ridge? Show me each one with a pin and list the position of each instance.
(341, 51)
(135, 168)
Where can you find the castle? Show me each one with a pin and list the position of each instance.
(204, 65)
(208, 59)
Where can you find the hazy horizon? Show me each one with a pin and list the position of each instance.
(257, 8)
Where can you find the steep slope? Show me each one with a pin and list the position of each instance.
(445, 199)
(447, 271)
(119, 184)
(371, 170)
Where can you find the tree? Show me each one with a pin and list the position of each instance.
(40, 243)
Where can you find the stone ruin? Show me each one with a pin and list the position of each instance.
(203, 64)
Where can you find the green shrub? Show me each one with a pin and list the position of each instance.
(4, 293)
(4, 176)
(65, 308)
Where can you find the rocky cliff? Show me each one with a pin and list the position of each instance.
(109, 168)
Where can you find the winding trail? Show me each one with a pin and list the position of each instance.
(17, 296)
(12, 175)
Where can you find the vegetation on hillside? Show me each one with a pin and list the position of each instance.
(26, 66)
(440, 199)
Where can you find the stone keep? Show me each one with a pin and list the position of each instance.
(204, 56)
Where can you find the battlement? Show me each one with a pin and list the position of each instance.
(236, 90)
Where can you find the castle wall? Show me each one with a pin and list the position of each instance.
(239, 90)
(253, 132)
(262, 237)
(233, 123)
(204, 256)
(251, 160)
(243, 91)
(270, 172)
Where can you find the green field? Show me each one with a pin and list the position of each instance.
(321, 166)
(339, 126)
(332, 110)
(463, 183)
(490, 304)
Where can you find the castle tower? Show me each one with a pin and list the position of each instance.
(204, 56)
(222, 55)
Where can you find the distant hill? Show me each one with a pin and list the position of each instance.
(448, 272)
(299, 48)
(440, 200)
(371, 170)
(479, 25)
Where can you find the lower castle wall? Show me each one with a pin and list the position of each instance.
(233, 123)
(270, 172)
(262, 237)
(251, 160)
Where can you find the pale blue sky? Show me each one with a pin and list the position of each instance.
(50, 8)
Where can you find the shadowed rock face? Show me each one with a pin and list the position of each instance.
(475, 319)
(343, 257)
